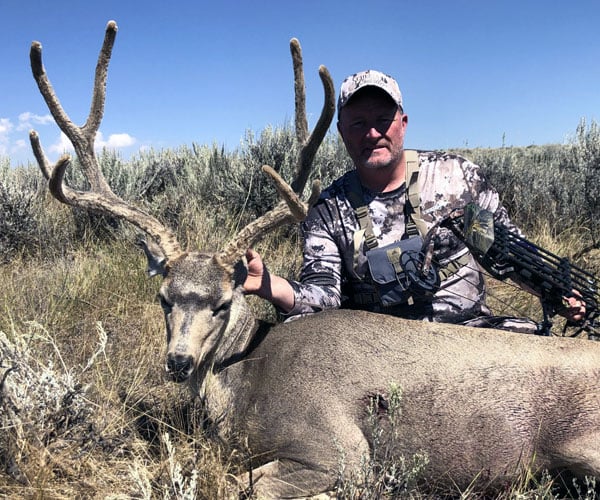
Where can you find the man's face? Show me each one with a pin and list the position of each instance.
(372, 128)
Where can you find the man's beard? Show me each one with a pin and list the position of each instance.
(393, 158)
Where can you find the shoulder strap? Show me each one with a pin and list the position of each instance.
(412, 176)
(361, 209)
(415, 225)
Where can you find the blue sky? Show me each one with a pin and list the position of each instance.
(473, 73)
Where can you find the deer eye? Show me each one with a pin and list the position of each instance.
(222, 308)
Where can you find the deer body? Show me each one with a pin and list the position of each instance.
(482, 405)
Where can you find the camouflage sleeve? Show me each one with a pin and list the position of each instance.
(485, 195)
(319, 286)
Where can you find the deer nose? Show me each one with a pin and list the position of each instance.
(179, 366)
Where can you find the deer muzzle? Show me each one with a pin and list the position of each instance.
(179, 367)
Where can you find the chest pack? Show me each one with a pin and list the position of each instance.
(398, 272)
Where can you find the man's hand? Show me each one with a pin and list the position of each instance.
(268, 286)
(574, 307)
(256, 272)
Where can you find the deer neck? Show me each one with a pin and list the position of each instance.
(238, 335)
(234, 344)
(219, 386)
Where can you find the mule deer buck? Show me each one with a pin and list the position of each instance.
(481, 405)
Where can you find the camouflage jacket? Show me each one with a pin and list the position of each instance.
(331, 273)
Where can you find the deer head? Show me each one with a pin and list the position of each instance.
(201, 293)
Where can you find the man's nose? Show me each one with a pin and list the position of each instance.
(373, 133)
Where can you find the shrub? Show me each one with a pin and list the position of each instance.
(42, 404)
(18, 226)
(556, 181)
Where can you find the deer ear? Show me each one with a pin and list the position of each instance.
(157, 262)
(240, 272)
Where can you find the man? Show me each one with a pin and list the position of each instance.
(366, 217)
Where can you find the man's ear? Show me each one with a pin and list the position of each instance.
(157, 262)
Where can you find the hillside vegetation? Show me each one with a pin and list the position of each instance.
(85, 409)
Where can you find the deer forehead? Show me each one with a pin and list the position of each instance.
(198, 276)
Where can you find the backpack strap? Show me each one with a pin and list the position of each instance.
(414, 225)
(354, 192)
(361, 209)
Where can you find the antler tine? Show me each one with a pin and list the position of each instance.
(82, 138)
(292, 208)
(100, 198)
(90, 129)
(309, 145)
(299, 92)
(43, 163)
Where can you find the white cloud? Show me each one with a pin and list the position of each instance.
(27, 120)
(114, 141)
(5, 127)
(62, 145)
(19, 145)
(13, 143)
